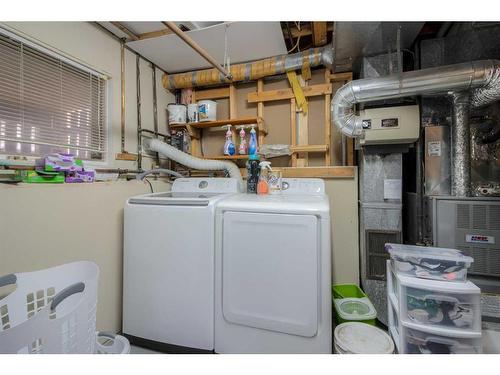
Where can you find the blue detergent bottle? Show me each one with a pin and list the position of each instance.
(252, 145)
(229, 148)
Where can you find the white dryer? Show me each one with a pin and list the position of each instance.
(168, 265)
(273, 271)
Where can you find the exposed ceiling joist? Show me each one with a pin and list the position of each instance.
(319, 33)
(306, 30)
(126, 30)
(154, 34)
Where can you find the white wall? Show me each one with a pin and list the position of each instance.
(86, 43)
(46, 225)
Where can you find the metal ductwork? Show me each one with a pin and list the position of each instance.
(483, 77)
(252, 70)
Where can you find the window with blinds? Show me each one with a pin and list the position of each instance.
(48, 105)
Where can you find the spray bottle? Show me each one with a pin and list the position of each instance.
(263, 185)
(229, 145)
(252, 146)
(242, 149)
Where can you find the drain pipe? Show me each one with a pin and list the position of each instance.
(193, 162)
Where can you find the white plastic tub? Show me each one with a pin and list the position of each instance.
(207, 110)
(109, 343)
(361, 338)
(177, 113)
(433, 263)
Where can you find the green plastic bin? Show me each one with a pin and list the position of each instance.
(351, 304)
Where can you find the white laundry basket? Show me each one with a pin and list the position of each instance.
(51, 311)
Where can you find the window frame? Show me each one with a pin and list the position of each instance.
(68, 59)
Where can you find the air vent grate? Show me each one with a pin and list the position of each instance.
(479, 216)
(463, 216)
(494, 217)
(375, 248)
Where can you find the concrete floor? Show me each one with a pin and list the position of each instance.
(138, 350)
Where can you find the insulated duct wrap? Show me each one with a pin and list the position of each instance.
(252, 70)
(460, 139)
(483, 77)
(189, 161)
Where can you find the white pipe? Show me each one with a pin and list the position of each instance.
(193, 162)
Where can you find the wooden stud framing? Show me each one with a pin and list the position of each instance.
(287, 94)
(293, 129)
(211, 94)
(260, 112)
(328, 137)
(125, 29)
(154, 34)
(195, 134)
(303, 130)
(319, 33)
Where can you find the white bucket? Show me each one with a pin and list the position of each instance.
(192, 112)
(207, 110)
(361, 338)
(176, 113)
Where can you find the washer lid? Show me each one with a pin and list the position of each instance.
(362, 338)
(355, 308)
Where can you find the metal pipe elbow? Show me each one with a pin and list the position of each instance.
(343, 114)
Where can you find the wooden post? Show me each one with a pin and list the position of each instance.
(293, 129)
(328, 139)
(195, 135)
(260, 109)
(303, 134)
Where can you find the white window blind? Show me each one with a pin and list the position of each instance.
(48, 105)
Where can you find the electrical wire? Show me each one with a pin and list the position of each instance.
(150, 185)
(298, 38)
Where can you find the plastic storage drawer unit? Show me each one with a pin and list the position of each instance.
(421, 342)
(433, 263)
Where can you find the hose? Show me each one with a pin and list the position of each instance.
(193, 162)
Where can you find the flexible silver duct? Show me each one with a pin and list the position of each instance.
(483, 77)
(460, 139)
(193, 162)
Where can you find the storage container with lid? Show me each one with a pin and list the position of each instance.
(361, 338)
(433, 263)
(352, 304)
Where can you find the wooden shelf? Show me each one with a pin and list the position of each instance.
(213, 124)
(310, 148)
(227, 157)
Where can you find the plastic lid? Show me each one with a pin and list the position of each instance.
(362, 338)
(355, 308)
(253, 157)
(439, 253)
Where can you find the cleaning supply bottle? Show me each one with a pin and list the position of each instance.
(229, 148)
(253, 172)
(263, 185)
(242, 149)
(252, 146)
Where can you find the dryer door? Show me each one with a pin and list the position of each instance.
(270, 271)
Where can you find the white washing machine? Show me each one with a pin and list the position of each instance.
(273, 267)
(168, 265)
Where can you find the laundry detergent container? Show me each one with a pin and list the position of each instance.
(351, 304)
